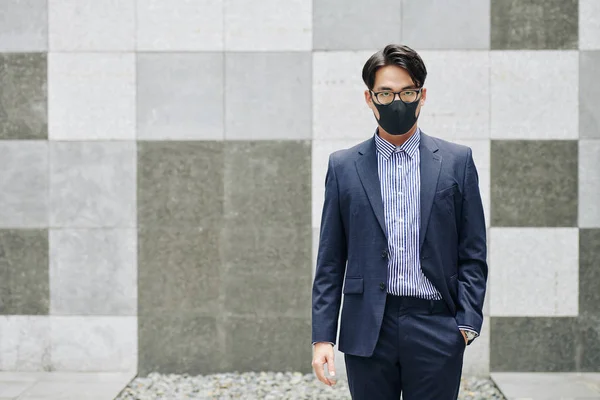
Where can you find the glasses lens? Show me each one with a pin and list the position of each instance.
(409, 96)
(385, 97)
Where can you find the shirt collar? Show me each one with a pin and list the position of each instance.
(386, 149)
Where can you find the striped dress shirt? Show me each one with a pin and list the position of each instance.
(400, 180)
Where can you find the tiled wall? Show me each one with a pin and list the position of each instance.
(159, 159)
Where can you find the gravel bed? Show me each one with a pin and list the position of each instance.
(265, 386)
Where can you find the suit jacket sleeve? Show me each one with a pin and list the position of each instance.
(472, 252)
(331, 264)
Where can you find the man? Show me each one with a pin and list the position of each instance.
(403, 237)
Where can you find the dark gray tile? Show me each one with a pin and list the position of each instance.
(589, 94)
(251, 342)
(589, 272)
(534, 24)
(180, 184)
(24, 286)
(268, 183)
(534, 183)
(178, 269)
(24, 96)
(532, 344)
(334, 27)
(24, 25)
(588, 344)
(179, 342)
(267, 271)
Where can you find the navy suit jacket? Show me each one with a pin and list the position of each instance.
(352, 256)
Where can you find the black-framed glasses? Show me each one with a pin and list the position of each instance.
(386, 97)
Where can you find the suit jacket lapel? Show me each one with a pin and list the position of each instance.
(366, 165)
(431, 164)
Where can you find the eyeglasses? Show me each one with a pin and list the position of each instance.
(386, 97)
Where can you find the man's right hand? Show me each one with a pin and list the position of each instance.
(323, 353)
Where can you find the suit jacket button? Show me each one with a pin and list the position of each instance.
(382, 286)
(384, 254)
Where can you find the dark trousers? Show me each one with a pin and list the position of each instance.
(419, 354)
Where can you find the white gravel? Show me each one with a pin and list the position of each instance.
(265, 386)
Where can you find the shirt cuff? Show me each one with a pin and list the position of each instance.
(333, 344)
(468, 328)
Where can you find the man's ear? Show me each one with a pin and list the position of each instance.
(368, 98)
(423, 96)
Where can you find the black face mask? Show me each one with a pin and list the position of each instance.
(397, 117)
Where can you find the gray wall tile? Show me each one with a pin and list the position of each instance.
(589, 24)
(589, 184)
(24, 183)
(268, 183)
(178, 269)
(25, 343)
(23, 98)
(24, 26)
(92, 185)
(91, 25)
(267, 26)
(587, 353)
(93, 272)
(534, 183)
(335, 27)
(24, 271)
(180, 184)
(246, 338)
(179, 25)
(589, 273)
(532, 344)
(268, 96)
(589, 94)
(179, 342)
(431, 24)
(534, 24)
(180, 96)
(267, 270)
(92, 96)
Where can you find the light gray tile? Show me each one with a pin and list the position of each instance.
(477, 355)
(24, 270)
(267, 26)
(534, 183)
(519, 79)
(73, 390)
(24, 343)
(245, 338)
(180, 184)
(547, 385)
(550, 345)
(180, 25)
(589, 184)
(91, 25)
(481, 157)
(93, 272)
(589, 24)
(181, 342)
(23, 98)
(316, 232)
(24, 25)
(334, 27)
(430, 24)
(267, 96)
(534, 24)
(92, 185)
(534, 272)
(589, 94)
(321, 149)
(339, 107)
(458, 94)
(85, 343)
(91, 96)
(178, 269)
(268, 183)
(24, 183)
(180, 96)
(589, 273)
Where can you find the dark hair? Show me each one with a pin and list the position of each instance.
(393, 54)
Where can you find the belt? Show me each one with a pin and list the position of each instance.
(408, 302)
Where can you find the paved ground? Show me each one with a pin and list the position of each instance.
(548, 386)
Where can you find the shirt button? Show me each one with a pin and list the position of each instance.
(401, 277)
(382, 286)
(401, 248)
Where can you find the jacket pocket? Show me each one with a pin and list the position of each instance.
(353, 285)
